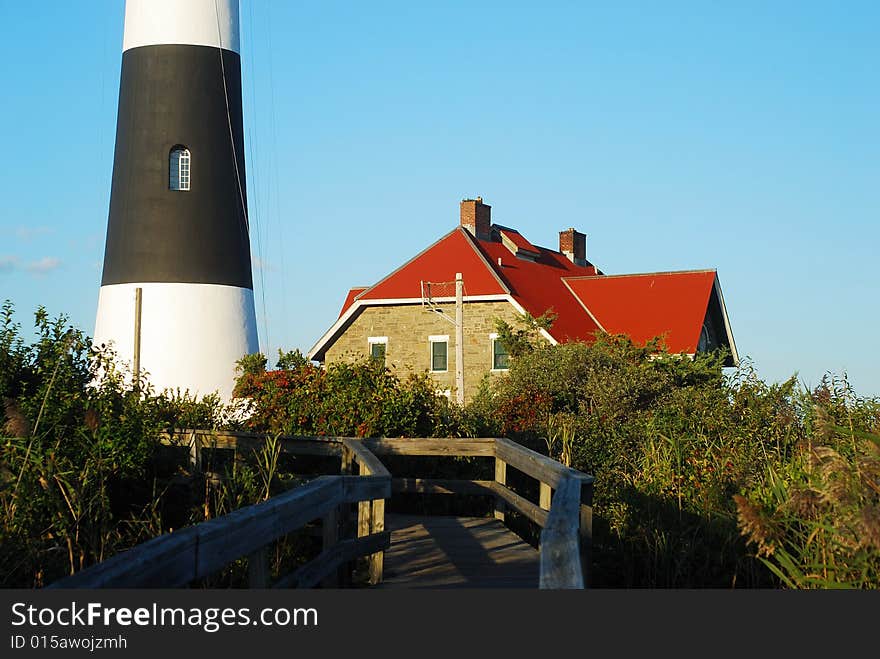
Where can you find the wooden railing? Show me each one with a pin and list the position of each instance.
(563, 512)
(198, 551)
(565, 502)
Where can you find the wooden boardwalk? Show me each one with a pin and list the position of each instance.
(402, 551)
(457, 552)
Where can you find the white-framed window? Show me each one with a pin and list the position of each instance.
(500, 358)
(179, 163)
(378, 347)
(439, 345)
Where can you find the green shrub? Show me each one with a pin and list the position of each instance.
(689, 461)
(361, 399)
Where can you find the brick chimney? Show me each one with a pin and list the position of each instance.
(476, 217)
(574, 245)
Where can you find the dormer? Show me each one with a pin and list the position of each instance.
(517, 244)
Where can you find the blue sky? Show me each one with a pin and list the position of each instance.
(738, 136)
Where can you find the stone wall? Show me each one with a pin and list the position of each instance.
(409, 351)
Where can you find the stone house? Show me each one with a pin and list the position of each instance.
(408, 319)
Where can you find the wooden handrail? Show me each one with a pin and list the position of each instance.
(177, 558)
(564, 512)
(546, 470)
(566, 517)
(365, 457)
(450, 447)
(560, 544)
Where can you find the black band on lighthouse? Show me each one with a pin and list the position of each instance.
(174, 95)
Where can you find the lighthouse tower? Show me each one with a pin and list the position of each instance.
(177, 291)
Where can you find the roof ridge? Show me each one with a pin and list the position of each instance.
(479, 252)
(406, 263)
(644, 274)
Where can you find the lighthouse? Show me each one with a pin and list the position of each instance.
(176, 292)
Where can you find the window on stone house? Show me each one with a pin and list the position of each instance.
(500, 358)
(439, 353)
(378, 346)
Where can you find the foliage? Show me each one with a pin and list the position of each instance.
(348, 400)
(705, 477)
(82, 471)
(525, 335)
(75, 455)
(815, 518)
(683, 455)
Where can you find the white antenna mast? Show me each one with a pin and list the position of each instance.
(434, 295)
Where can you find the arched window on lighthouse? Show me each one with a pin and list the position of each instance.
(179, 168)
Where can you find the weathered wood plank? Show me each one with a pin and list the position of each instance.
(500, 479)
(585, 531)
(377, 526)
(165, 560)
(364, 516)
(342, 552)
(195, 552)
(457, 552)
(363, 488)
(444, 446)
(293, 444)
(440, 486)
(290, 445)
(346, 460)
(195, 451)
(258, 569)
(522, 505)
(241, 532)
(560, 551)
(536, 465)
(545, 496)
(369, 463)
(330, 532)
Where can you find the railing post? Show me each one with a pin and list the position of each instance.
(377, 560)
(346, 460)
(195, 451)
(364, 509)
(545, 496)
(258, 568)
(330, 534)
(586, 531)
(345, 521)
(501, 480)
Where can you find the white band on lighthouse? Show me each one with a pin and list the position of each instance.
(191, 334)
(193, 22)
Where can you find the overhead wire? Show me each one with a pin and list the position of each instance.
(242, 200)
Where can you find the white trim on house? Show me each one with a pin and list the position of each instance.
(493, 338)
(378, 341)
(733, 352)
(583, 306)
(522, 310)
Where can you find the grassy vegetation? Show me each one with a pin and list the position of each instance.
(705, 478)
(82, 472)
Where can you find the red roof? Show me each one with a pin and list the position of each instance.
(439, 263)
(642, 306)
(350, 298)
(518, 240)
(538, 286)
